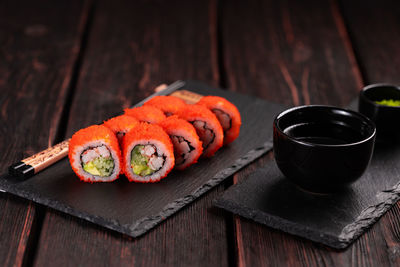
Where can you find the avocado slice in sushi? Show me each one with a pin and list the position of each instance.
(100, 166)
(98, 161)
(144, 160)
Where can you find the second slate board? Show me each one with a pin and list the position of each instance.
(335, 220)
(133, 208)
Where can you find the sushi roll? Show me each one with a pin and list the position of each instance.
(227, 114)
(207, 127)
(94, 154)
(146, 114)
(167, 104)
(148, 154)
(186, 142)
(120, 125)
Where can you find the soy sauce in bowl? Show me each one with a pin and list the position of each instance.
(323, 133)
(323, 148)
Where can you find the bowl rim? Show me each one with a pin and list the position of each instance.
(293, 109)
(364, 98)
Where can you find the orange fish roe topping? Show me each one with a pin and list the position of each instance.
(147, 133)
(227, 113)
(122, 123)
(146, 114)
(168, 104)
(198, 113)
(90, 134)
(175, 127)
(174, 122)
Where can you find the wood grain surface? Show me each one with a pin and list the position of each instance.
(38, 52)
(309, 64)
(374, 30)
(126, 58)
(67, 64)
(375, 33)
(284, 56)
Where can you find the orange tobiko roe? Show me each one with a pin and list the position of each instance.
(147, 132)
(89, 134)
(174, 123)
(217, 102)
(198, 112)
(168, 104)
(122, 123)
(146, 114)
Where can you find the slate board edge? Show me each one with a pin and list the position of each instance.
(370, 215)
(146, 223)
(280, 224)
(373, 213)
(349, 233)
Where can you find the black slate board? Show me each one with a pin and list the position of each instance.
(335, 220)
(133, 208)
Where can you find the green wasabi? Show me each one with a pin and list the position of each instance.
(140, 162)
(389, 102)
(100, 166)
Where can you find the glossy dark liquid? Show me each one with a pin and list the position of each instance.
(322, 140)
(323, 133)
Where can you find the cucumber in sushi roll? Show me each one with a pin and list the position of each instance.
(148, 154)
(94, 154)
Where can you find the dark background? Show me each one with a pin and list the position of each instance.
(67, 64)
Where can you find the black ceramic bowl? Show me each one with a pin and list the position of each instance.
(323, 148)
(386, 118)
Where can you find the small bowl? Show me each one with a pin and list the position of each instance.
(323, 148)
(386, 118)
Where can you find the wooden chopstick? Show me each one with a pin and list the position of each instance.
(187, 96)
(28, 167)
(39, 161)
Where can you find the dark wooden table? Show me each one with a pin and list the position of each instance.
(70, 63)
